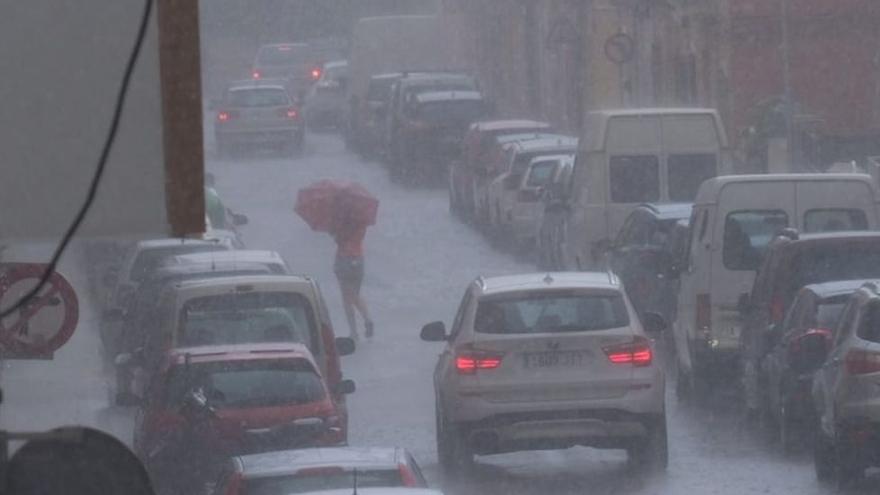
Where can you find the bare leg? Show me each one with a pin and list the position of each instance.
(361, 307)
(348, 304)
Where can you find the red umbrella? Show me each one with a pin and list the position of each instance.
(332, 205)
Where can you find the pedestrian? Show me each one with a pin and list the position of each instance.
(349, 270)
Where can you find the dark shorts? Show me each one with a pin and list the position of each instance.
(349, 271)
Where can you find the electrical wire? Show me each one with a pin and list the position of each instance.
(99, 170)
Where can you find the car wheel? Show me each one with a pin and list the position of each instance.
(786, 427)
(652, 452)
(453, 451)
(444, 454)
(848, 470)
(823, 457)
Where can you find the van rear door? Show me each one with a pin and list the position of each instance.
(833, 205)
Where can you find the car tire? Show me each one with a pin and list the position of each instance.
(651, 452)
(823, 457)
(848, 471)
(453, 451)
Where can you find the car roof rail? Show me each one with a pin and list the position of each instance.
(612, 278)
(481, 281)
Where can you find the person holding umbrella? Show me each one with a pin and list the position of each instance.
(344, 210)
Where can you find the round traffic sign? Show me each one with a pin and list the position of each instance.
(620, 48)
(42, 325)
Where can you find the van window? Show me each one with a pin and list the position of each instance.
(746, 235)
(634, 178)
(835, 219)
(687, 172)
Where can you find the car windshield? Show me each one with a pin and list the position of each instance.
(247, 318)
(258, 97)
(286, 56)
(550, 313)
(318, 479)
(243, 384)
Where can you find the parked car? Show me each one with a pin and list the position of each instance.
(431, 130)
(368, 114)
(138, 317)
(258, 112)
(554, 210)
(504, 189)
(256, 391)
(846, 395)
(270, 259)
(318, 469)
(734, 218)
(799, 347)
(244, 310)
(544, 361)
(793, 261)
(630, 157)
(401, 103)
(464, 174)
(326, 104)
(644, 256)
(140, 260)
(527, 208)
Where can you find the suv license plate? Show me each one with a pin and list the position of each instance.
(553, 359)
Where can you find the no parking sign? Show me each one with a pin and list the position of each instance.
(42, 325)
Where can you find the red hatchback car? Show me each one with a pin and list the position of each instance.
(255, 391)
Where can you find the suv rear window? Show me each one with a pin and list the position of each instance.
(247, 318)
(258, 97)
(635, 178)
(834, 220)
(552, 312)
(746, 236)
(237, 384)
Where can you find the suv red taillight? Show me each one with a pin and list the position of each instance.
(290, 113)
(638, 353)
(862, 362)
(703, 312)
(256, 74)
(315, 73)
(469, 361)
(226, 116)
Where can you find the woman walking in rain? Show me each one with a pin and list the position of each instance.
(349, 270)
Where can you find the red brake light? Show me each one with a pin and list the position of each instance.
(407, 478)
(290, 113)
(468, 362)
(316, 74)
(862, 362)
(256, 74)
(638, 353)
(223, 116)
(704, 312)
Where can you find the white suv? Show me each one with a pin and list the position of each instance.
(548, 361)
(846, 392)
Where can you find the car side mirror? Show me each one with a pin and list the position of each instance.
(113, 314)
(654, 323)
(345, 387)
(434, 332)
(345, 346)
(239, 219)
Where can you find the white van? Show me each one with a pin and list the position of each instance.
(630, 157)
(734, 218)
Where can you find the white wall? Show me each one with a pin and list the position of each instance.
(61, 62)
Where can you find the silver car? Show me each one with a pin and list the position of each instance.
(258, 112)
(846, 392)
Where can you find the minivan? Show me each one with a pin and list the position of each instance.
(734, 219)
(629, 157)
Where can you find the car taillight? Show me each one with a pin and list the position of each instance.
(862, 362)
(407, 478)
(334, 371)
(638, 353)
(234, 485)
(469, 361)
(704, 312)
(290, 113)
(256, 74)
(316, 74)
(528, 195)
(777, 309)
(223, 116)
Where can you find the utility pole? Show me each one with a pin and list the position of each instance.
(787, 92)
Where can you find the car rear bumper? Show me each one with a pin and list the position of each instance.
(603, 428)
